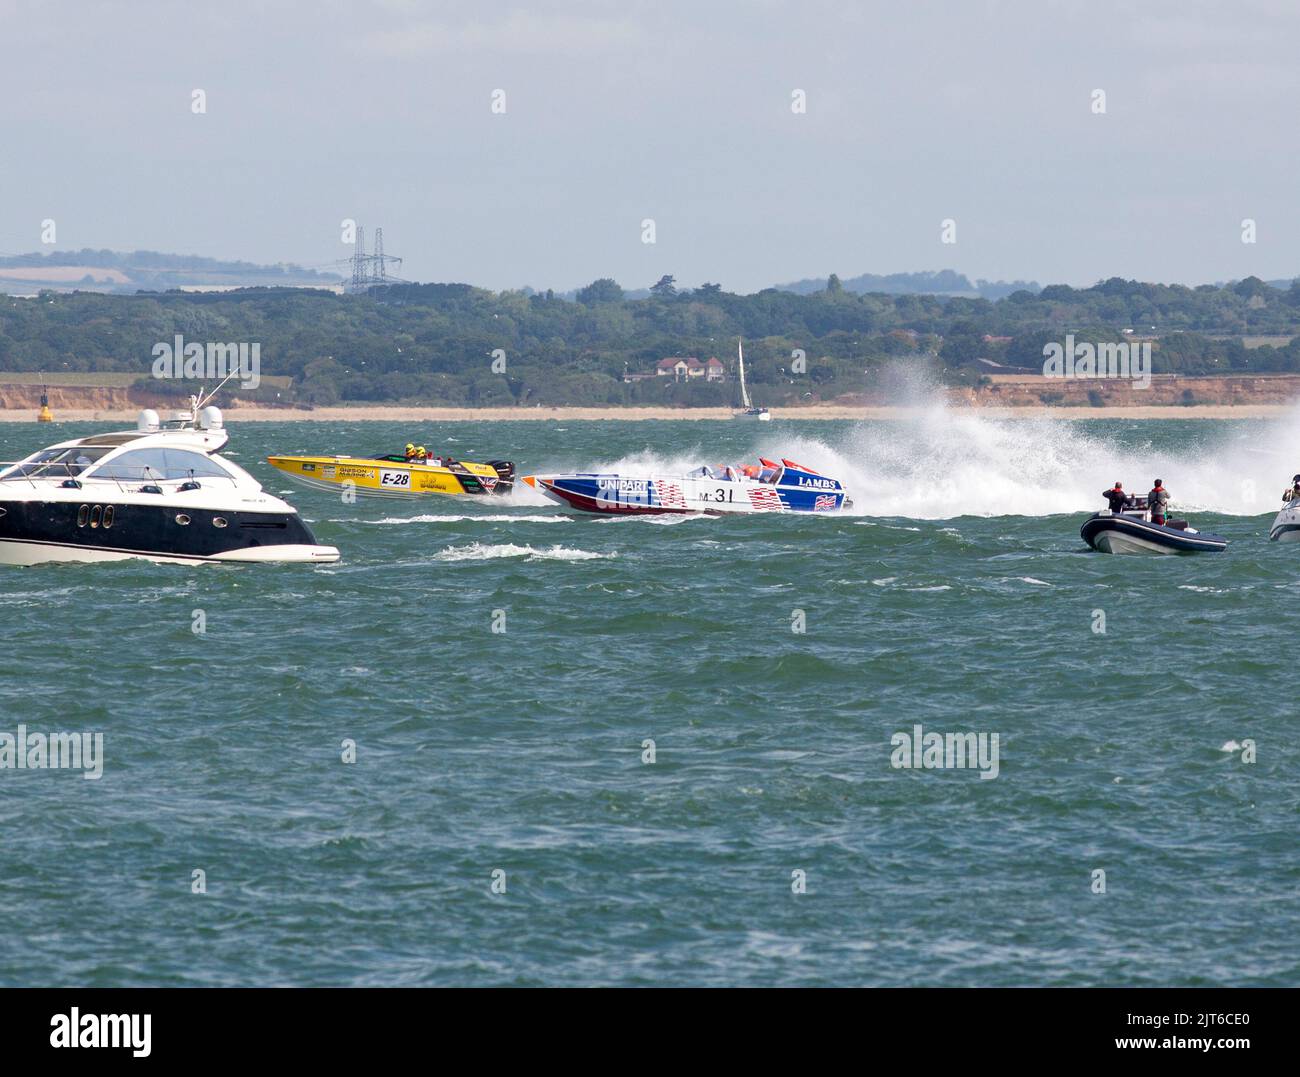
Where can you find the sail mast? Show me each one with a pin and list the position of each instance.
(744, 393)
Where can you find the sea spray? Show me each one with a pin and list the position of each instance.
(936, 461)
(941, 462)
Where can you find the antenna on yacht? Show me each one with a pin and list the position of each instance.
(202, 399)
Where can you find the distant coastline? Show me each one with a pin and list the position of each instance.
(120, 397)
(617, 414)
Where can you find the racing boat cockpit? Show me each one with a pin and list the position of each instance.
(764, 471)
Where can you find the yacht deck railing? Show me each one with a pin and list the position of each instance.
(60, 472)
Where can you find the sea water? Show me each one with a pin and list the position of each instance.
(501, 744)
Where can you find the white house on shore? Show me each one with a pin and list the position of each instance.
(686, 368)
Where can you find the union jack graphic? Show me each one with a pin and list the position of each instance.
(765, 499)
(824, 501)
(670, 495)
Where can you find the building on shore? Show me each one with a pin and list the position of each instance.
(688, 368)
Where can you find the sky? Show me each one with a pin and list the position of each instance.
(983, 114)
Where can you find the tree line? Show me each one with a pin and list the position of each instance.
(455, 344)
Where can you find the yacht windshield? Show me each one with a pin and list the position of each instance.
(57, 463)
(159, 464)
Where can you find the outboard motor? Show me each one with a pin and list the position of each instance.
(505, 470)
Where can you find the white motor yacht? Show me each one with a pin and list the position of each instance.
(159, 492)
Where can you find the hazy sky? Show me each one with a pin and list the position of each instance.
(319, 110)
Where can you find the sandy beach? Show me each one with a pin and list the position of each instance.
(814, 412)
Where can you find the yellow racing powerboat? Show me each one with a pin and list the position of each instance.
(397, 476)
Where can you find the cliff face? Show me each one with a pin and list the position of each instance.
(28, 398)
(83, 398)
(1165, 390)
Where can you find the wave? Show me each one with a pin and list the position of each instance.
(665, 520)
(452, 519)
(478, 551)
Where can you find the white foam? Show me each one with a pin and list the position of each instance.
(663, 519)
(940, 462)
(523, 494)
(478, 551)
(452, 519)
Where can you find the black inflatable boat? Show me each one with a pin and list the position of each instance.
(1132, 531)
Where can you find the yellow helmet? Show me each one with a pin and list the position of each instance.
(422, 451)
(410, 447)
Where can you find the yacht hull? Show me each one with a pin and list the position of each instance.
(27, 554)
(40, 532)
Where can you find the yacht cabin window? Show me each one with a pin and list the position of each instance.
(58, 463)
(160, 464)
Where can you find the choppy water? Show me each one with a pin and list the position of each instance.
(960, 598)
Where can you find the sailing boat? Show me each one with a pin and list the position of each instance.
(750, 412)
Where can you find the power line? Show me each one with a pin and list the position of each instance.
(371, 270)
